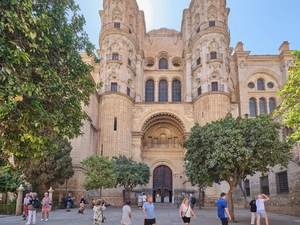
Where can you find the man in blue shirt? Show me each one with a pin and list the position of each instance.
(148, 210)
(223, 212)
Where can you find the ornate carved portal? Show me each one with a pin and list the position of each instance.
(162, 184)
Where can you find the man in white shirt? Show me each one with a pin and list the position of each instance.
(260, 209)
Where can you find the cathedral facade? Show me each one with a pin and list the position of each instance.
(158, 84)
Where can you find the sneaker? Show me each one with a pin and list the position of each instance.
(42, 219)
(46, 219)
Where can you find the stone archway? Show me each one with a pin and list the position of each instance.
(162, 184)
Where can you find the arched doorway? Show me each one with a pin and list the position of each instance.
(162, 184)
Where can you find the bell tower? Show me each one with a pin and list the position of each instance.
(120, 72)
(207, 52)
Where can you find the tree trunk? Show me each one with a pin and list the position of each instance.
(230, 205)
(100, 193)
(127, 194)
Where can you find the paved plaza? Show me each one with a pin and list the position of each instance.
(165, 215)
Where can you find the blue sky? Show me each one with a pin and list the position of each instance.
(262, 25)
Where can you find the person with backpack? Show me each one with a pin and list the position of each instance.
(192, 201)
(33, 205)
(253, 209)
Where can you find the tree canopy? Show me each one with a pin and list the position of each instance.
(43, 80)
(290, 94)
(232, 148)
(49, 170)
(99, 173)
(130, 173)
(10, 179)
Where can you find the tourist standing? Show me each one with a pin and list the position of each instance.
(260, 209)
(144, 198)
(126, 214)
(223, 212)
(32, 208)
(148, 210)
(185, 211)
(98, 212)
(25, 206)
(46, 206)
(253, 210)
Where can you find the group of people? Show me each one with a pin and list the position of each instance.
(257, 209)
(32, 204)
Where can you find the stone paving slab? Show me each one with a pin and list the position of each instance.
(165, 215)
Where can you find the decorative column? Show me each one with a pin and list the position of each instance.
(50, 195)
(19, 200)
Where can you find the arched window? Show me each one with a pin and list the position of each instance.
(163, 91)
(149, 91)
(272, 105)
(163, 63)
(252, 106)
(262, 106)
(260, 84)
(176, 91)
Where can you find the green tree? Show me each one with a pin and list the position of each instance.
(43, 80)
(10, 179)
(99, 173)
(232, 148)
(49, 170)
(130, 173)
(290, 94)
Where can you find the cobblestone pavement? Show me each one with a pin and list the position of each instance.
(165, 215)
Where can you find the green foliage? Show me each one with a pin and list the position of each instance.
(52, 169)
(8, 209)
(10, 179)
(43, 80)
(130, 173)
(290, 106)
(99, 172)
(232, 148)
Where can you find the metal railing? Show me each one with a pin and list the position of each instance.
(131, 94)
(132, 64)
(207, 25)
(115, 57)
(196, 63)
(214, 56)
(211, 88)
(112, 88)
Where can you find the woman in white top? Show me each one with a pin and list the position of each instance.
(185, 211)
(126, 215)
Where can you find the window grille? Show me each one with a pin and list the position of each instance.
(176, 91)
(149, 95)
(264, 185)
(163, 91)
(282, 182)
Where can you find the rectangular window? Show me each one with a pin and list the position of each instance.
(247, 187)
(212, 23)
(115, 56)
(213, 55)
(101, 153)
(199, 90)
(117, 25)
(128, 91)
(114, 87)
(264, 185)
(282, 182)
(115, 123)
(214, 86)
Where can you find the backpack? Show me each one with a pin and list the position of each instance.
(193, 200)
(36, 203)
